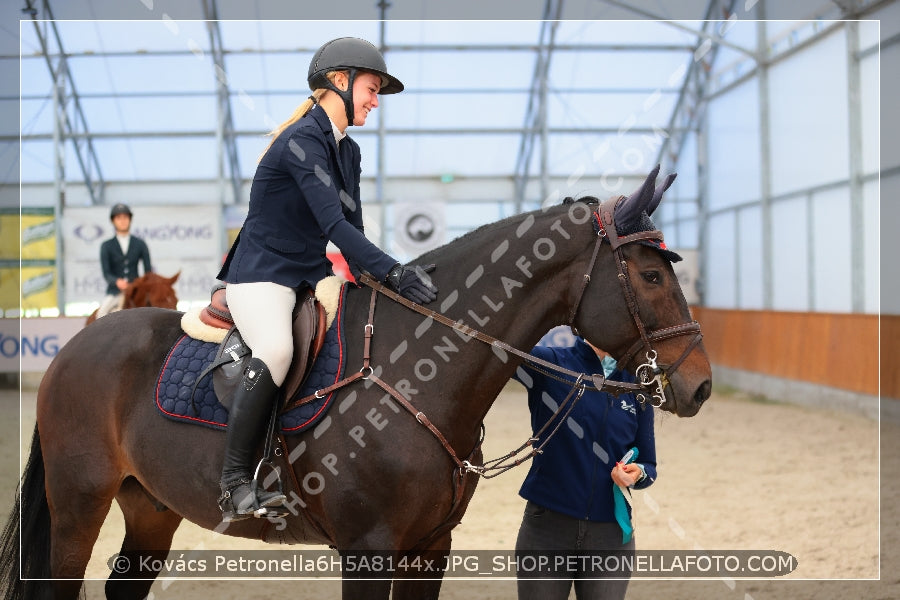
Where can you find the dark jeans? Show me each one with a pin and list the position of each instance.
(556, 536)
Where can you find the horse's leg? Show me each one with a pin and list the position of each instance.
(82, 477)
(148, 534)
(77, 512)
(424, 577)
(378, 587)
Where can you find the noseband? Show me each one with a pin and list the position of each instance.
(653, 377)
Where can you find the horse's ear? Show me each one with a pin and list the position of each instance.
(658, 194)
(174, 278)
(131, 293)
(629, 210)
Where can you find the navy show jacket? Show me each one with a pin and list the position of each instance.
(305, 192)
(572, 475)
(118, 265)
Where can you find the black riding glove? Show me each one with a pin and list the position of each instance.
(413, 283)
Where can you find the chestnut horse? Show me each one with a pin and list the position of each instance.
(397, 463)
(147, 290)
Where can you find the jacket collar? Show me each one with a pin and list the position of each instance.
(318, 114)
(592, 362)
(587, 354)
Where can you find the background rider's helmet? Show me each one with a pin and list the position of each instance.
(119, 209)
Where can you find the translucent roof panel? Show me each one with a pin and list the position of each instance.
(601, 153)
(36, 79)
(149, 91)
(157, 158)
(37, 161)
(464, 108)
(462, 69)
(612, 110)
(278, 36)
(623, 33)
(618, 69)
(153, 114)
(37, 116)
(463, 33)
(473, 155)
(142, 73)
(138, 37)
(257, 72)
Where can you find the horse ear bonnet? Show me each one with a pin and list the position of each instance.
(633, 213)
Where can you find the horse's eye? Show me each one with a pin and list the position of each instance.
(651, 276)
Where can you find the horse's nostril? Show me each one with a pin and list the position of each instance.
(703, 392)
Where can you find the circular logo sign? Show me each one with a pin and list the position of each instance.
(419, 227)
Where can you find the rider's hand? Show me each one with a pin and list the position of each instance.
(413, 283)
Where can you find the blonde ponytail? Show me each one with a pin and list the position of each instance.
(298, 113)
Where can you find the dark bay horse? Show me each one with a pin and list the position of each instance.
(150, 289)
(377, 477)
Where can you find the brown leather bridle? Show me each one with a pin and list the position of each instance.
(653, 377)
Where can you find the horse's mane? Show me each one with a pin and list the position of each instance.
(463, 243)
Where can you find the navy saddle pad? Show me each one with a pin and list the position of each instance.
(190, 356)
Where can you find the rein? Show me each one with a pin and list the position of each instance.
(652, 379)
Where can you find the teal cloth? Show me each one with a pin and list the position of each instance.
(621, 504)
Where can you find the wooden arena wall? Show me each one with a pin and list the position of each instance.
(832, 349)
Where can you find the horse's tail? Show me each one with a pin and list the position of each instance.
(25, 543)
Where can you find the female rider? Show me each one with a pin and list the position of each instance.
(305, 192)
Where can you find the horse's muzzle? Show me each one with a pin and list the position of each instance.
(703, 392)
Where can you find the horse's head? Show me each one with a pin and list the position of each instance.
(643, 320)
(152, 290)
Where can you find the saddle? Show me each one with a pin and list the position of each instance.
(309, 327)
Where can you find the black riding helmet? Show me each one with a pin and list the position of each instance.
(119, 209)
(352, 55)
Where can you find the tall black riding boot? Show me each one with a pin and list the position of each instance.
(247, 422)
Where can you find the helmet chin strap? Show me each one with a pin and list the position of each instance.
(346, 95)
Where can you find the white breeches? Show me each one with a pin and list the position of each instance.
(262, 312)
(110, 303)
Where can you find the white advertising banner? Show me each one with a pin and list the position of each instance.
(34, 346)
(180, 238)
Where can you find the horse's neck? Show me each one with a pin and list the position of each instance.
(514, 285)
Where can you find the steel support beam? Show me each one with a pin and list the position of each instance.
(765, 159)
(72, 126)
(380, 141)
(689, 108)
(225, 136)
(536, 130)
(708, 37)
(536, 113)
(855, 170)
